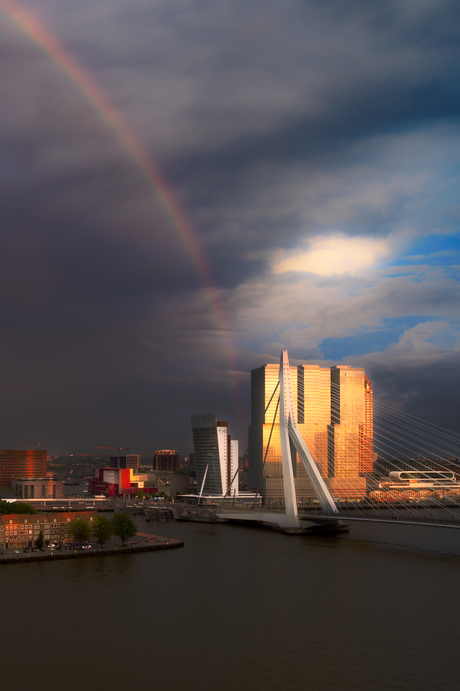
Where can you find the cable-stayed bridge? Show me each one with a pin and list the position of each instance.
(413, 480)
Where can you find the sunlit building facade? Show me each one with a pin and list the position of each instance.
(38, 488)
(265, 470)
(334, 416)
(350, 450)
(22, 463)
(121, 482)
(314, 411)
(22, 530)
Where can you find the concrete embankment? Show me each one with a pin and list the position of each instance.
(150, 543)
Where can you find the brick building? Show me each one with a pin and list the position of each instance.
(166, 460)
(22, 530)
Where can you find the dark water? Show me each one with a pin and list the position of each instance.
(235, 609)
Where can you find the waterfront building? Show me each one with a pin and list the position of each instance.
(166, 460)
(22, 463)
(22, 530)
(417, 485)
(38, 488)
(216, 456)
(179, 484)
(334, 416)
(350, 447)
(314, 411)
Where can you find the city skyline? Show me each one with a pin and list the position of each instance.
(186, 192)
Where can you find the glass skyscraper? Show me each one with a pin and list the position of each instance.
(351, 429)
(216, 456)
(334, 416)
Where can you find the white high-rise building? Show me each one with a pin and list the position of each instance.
(216, 456)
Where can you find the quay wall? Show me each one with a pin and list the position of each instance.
(89, 553)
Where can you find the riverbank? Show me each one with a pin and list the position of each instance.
(144, 542)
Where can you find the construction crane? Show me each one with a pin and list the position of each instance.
(114, 448)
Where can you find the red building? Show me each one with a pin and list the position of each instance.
(117, 482)
(26, 463)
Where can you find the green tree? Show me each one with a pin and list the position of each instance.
(102, 529)
(80, 530)
(40, 541)
(185, 471)
(124, 527)
(140, 493)
(16, 507)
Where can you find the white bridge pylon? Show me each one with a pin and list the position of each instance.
(290, 432)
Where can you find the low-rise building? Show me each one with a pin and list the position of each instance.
(38, 488)
(119, 482)
(22, 530)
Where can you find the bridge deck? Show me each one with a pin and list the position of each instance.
(270, 515)
(432, 523)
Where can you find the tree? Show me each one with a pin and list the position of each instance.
(185, 471)
(102, 529)
(140, 493)
(80, 530)
(124, 527)
(40, 541)
(16, 507)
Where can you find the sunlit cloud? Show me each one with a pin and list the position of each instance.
(336, 254)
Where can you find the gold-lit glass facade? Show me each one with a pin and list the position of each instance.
(351, 429)
(334, 416)
(314, 411)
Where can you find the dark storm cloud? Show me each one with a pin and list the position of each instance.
(426, 390)
(268, 121)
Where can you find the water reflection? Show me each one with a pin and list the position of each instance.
(236, 609)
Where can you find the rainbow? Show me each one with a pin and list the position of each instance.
(33, 29)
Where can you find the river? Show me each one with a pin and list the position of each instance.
(239, 608)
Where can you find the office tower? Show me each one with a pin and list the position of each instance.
(341, 446)
(314, 411)
(367, 459)
(216, 456)
(22, 464)
(265, 468)
(351, 429)
(166, 460)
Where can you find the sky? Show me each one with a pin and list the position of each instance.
(188, 187)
